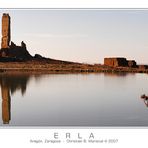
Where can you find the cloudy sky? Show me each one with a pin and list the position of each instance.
(82, 35)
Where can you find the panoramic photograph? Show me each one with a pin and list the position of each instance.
(73, 67)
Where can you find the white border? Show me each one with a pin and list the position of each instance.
(73, 3)
(23, 138)
(20, 136)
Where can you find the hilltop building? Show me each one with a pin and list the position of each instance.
(119, 62)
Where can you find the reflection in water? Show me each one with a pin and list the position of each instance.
(15, 82)
(145, 99)
(11, 83)
(146, 103)
(119, 74)
(6, 104)
(73, 100)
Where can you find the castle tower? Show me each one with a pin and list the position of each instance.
(5, 31)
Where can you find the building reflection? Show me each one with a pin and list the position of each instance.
(145, 99)
(119, 74)
(10, 84)
(146, 103)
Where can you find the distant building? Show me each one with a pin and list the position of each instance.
(115, 62)
(119, 62)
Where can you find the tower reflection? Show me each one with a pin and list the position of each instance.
(6, 104)
(10, 84)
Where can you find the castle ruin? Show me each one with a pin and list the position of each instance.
(5, 31)
(10, 51)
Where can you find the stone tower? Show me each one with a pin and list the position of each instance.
(5, 31)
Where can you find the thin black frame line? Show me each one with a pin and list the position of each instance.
(77, 8)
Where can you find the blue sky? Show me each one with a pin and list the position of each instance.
(82, 35)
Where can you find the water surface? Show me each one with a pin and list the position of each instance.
(73, 100)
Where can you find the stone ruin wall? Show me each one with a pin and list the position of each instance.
(132, 63)
(119, 62)
(115, 62)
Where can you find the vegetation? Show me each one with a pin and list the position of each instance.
(62, 67)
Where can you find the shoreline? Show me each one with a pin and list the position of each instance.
(47, 68)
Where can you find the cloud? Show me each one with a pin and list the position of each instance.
(45, 35)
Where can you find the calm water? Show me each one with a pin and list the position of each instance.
(74, 100)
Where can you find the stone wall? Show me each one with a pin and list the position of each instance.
(119, 62)
(132, 63)
(143, 67)
(115, 62)
(19, 53)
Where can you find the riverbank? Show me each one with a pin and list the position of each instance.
(43, 67)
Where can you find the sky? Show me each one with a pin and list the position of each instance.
(85, 36)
